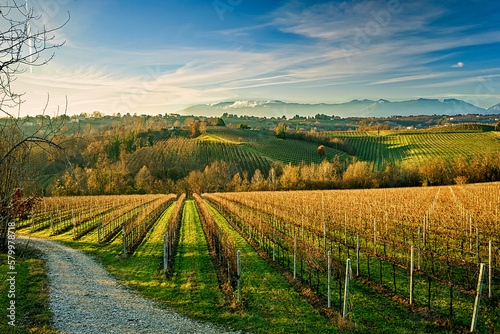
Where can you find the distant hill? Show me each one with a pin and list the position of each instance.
(354, 108)
(494, 109)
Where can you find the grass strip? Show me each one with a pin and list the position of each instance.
(32, 313)
(194, 287)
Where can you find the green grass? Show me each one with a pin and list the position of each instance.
(271, 304)
(32, 300)
(238, 136)
(194, 287)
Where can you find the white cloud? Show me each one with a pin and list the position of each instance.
(338, 49)
(409, 78)
(458, 65)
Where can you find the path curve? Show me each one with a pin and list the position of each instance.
(85, 298)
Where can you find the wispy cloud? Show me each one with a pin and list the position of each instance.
(366, 21)
(461, 81)
(409, 78)
(370, 43)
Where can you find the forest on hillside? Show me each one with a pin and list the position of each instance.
(135, 154)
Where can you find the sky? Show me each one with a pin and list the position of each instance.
(157, 57)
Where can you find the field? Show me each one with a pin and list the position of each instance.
(416, 146)
(287, 151)
(378, 148)
(414, 255)
(189, 154)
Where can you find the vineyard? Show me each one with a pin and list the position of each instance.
(358, 255)
(287, 151)
(417, 146)
(189, 154)
(245, 150)
(380, 149)
(421, 245)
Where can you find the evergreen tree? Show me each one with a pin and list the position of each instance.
(281, 130)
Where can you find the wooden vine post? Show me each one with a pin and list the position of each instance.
(239, 276)
(418, 264)
(165, 254)
(124, 241)
(478, 297)
(490, 271)
(357, 253)
(412, 267)
(346, 289)
(98, 231)
(295, 257)
(274, 242)
(324, 222)
(329, 279)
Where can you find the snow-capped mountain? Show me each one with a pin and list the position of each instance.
(354, 108)
(494, 109)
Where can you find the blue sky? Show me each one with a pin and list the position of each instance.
(155, 57)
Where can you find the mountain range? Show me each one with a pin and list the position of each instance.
(354, 108)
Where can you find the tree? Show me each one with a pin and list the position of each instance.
(20, 49)
(244, 126)
(321, 150)
(258, 181)
(97, 114)
(291, 178)
(195, 130)
(498, 126)
(220, 122)
(359, 175)
(281, 130)
(144, 180)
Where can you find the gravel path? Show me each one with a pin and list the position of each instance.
(84, 298)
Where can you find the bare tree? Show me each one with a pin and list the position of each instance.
(20, 49)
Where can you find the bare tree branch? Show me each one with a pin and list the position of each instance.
(21, 48)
